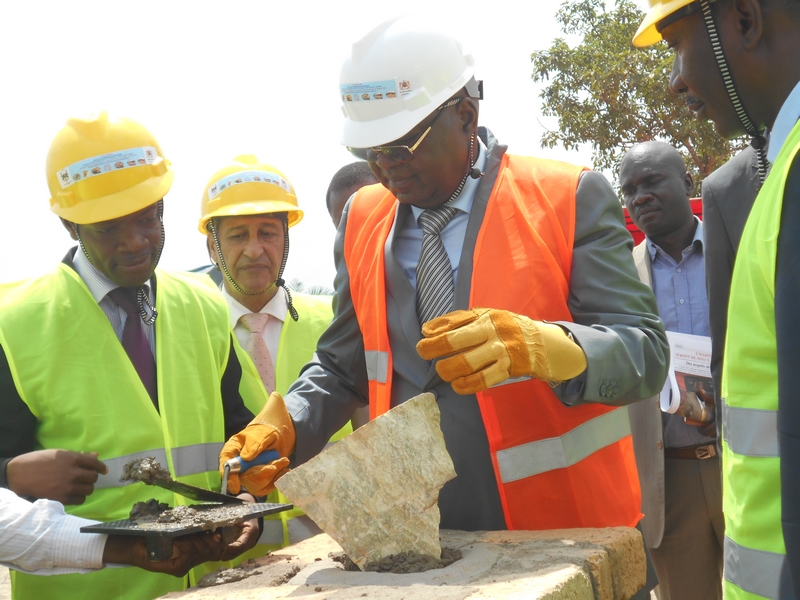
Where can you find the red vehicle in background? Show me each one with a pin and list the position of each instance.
(638, 236)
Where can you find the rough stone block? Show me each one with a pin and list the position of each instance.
(376, 491)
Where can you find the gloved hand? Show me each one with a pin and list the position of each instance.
(271, 429)
(486, 346)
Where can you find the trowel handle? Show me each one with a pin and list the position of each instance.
(238, 465)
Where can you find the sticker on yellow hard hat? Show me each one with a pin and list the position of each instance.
(248, 177)
(105, 163)
(373, 90)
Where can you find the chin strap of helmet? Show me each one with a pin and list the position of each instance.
(758, 140)
(222, 266)
(150, 313)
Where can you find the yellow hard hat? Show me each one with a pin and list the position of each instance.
(101, 168)
(248, 187)
(648, 34)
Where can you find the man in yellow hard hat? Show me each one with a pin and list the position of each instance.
(736, 63)
(246, 211)
(107, 359)
(502, 283)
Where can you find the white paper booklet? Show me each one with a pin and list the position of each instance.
(689, 371)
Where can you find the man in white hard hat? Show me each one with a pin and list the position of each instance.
(503, 284)
(736, 63)
(246, 211)
(107, 359)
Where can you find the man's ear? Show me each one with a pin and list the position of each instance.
(212, 253)
(468, 113)
(72, 228)
(689, 183)
(749, 21)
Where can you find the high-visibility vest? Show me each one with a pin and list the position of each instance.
(555, 466)
(71, 370)
(754, 548)
(296, 347)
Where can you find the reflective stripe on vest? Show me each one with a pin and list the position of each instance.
(525, 241)
(187, 460)
(750, 431)
(755, 571)
(541, 456)
(377, 365)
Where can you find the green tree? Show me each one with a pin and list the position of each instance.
(315, 290)
(610, 95)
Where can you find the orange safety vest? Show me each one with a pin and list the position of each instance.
(556, 466)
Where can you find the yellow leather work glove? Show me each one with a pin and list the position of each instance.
(486, 346)
(271, 429)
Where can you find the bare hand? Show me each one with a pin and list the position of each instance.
(61, 475)
(187, 552)
(709, 428)
(248, 536)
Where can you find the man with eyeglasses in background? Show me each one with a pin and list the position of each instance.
(518, 270)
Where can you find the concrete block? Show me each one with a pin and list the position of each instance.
(569, 564)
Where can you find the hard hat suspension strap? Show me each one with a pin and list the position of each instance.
(758, 140)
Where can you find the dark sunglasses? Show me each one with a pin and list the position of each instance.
(400, 154)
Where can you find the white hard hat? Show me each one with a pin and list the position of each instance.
(397, 75)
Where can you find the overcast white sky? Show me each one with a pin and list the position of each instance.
(215, 79)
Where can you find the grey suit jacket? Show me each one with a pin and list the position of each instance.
(648, 438)
(728, 196)
(616, 324)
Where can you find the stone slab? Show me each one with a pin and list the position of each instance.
(572, 564)
(376, 491)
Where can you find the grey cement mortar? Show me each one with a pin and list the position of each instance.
(505, 566)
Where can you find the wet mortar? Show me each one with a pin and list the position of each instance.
(223, 576)
(207, 517)
(404, 562)
(147, 470)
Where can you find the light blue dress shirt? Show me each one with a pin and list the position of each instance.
(680, 291)
(408, 239)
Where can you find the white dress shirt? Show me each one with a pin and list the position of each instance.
(276, 308)
(41, 538)
(408, 239)
(99, 285)
(784, 123)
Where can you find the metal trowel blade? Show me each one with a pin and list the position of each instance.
(196, 493)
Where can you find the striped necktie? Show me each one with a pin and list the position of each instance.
(435, 288)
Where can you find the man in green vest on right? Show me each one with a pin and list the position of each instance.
(736, 63)
(246, 211)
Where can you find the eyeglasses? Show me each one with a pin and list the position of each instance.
(400, 154)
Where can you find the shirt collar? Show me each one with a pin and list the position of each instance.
(463, 201)
(698, 238)
(784, 123)
(277, 307)
(99, 285)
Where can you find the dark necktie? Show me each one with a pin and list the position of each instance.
(435, 289)
(135, 341)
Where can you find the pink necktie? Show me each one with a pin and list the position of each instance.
(257, 348)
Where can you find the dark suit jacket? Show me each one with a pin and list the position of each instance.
(648, 438)
(728, 196)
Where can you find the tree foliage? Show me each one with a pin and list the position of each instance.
(610, 95)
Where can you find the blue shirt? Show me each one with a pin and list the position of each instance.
(408, 239)
(680, 291)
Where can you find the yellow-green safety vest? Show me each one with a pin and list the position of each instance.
(70, 369)
(297, 345)
(754, 548)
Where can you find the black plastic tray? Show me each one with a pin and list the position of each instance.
(159, 541)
